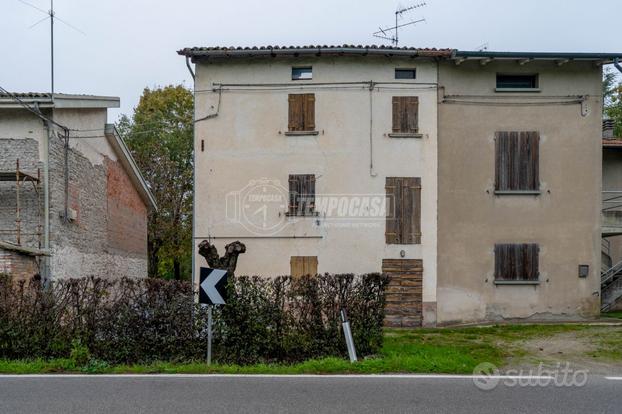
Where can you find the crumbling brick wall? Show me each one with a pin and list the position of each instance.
(127, 213)
(109, 236)
(27, 151)
(20, 266)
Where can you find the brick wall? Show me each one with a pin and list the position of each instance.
(18, 265)
(127, 214)
(27, 151)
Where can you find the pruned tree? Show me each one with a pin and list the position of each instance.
(227, 262)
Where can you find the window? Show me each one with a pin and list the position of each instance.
(405, 115)
(405, 73)
(517, 81)
(301, 112)
(517, 162)
(516, 262)
(304, 73)
(403, 210)
(303, 266)
(301, 195)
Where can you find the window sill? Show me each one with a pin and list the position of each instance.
(518, 192)
(517, 282)
(405, 135)
(310, 215)
(301, 133)
(517, 90)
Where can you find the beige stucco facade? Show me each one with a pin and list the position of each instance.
(243, 154)
(247, 143)
(564, 219)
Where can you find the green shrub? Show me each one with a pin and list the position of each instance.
(80, 354)
(95, 321)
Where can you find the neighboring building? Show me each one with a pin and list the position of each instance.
(98, 200)
(489, 163)
(612, 219)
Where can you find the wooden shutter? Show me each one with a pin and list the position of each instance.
(403, 224)
(405, 114)
(303, 265)
(309, 112)
(411, 210)
(392, 230)
(516, 262)
(517, 161)
(296, 110)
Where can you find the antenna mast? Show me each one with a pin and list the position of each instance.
(382, 33)
(52, 46)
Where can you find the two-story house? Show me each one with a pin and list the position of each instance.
(470, 177)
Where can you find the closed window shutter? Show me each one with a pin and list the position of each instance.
(296, 264)
(309, 112)
(403, 224)
(411, 217)
(397, 110)
(516, 262)
(405, 114)
(393, 224)
(303, 265)
(517, 161)
(296, 112)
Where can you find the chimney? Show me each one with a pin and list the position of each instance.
(608, 125)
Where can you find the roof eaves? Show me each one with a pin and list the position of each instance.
(217, 52)
(115, 140)
(606, 57)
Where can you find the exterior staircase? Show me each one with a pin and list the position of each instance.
(610, 280)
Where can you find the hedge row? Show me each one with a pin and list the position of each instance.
(144, 320)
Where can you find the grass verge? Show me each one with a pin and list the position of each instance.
(452, 351)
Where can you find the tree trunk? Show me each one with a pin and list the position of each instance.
(177, 269)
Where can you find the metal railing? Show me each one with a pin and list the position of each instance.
(612, 200)
(610, 275)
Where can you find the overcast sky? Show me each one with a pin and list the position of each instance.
(130, 44)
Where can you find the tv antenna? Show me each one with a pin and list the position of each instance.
(391, 33)
(50, 14)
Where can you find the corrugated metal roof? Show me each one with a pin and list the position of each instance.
(274, 50)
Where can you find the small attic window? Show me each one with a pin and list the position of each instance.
(517, 82)
(302, 73)
(405, 73)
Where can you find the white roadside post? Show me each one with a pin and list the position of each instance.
(213, 290)
(348, 334)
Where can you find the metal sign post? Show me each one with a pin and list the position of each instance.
(209, 335)
(348, 334)
(213, 291)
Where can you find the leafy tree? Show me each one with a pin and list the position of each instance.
(612, 100)
(159, 135)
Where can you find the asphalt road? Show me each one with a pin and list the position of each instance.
(308, 394)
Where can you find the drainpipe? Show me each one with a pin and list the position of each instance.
(46, 201)
(194, 170)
